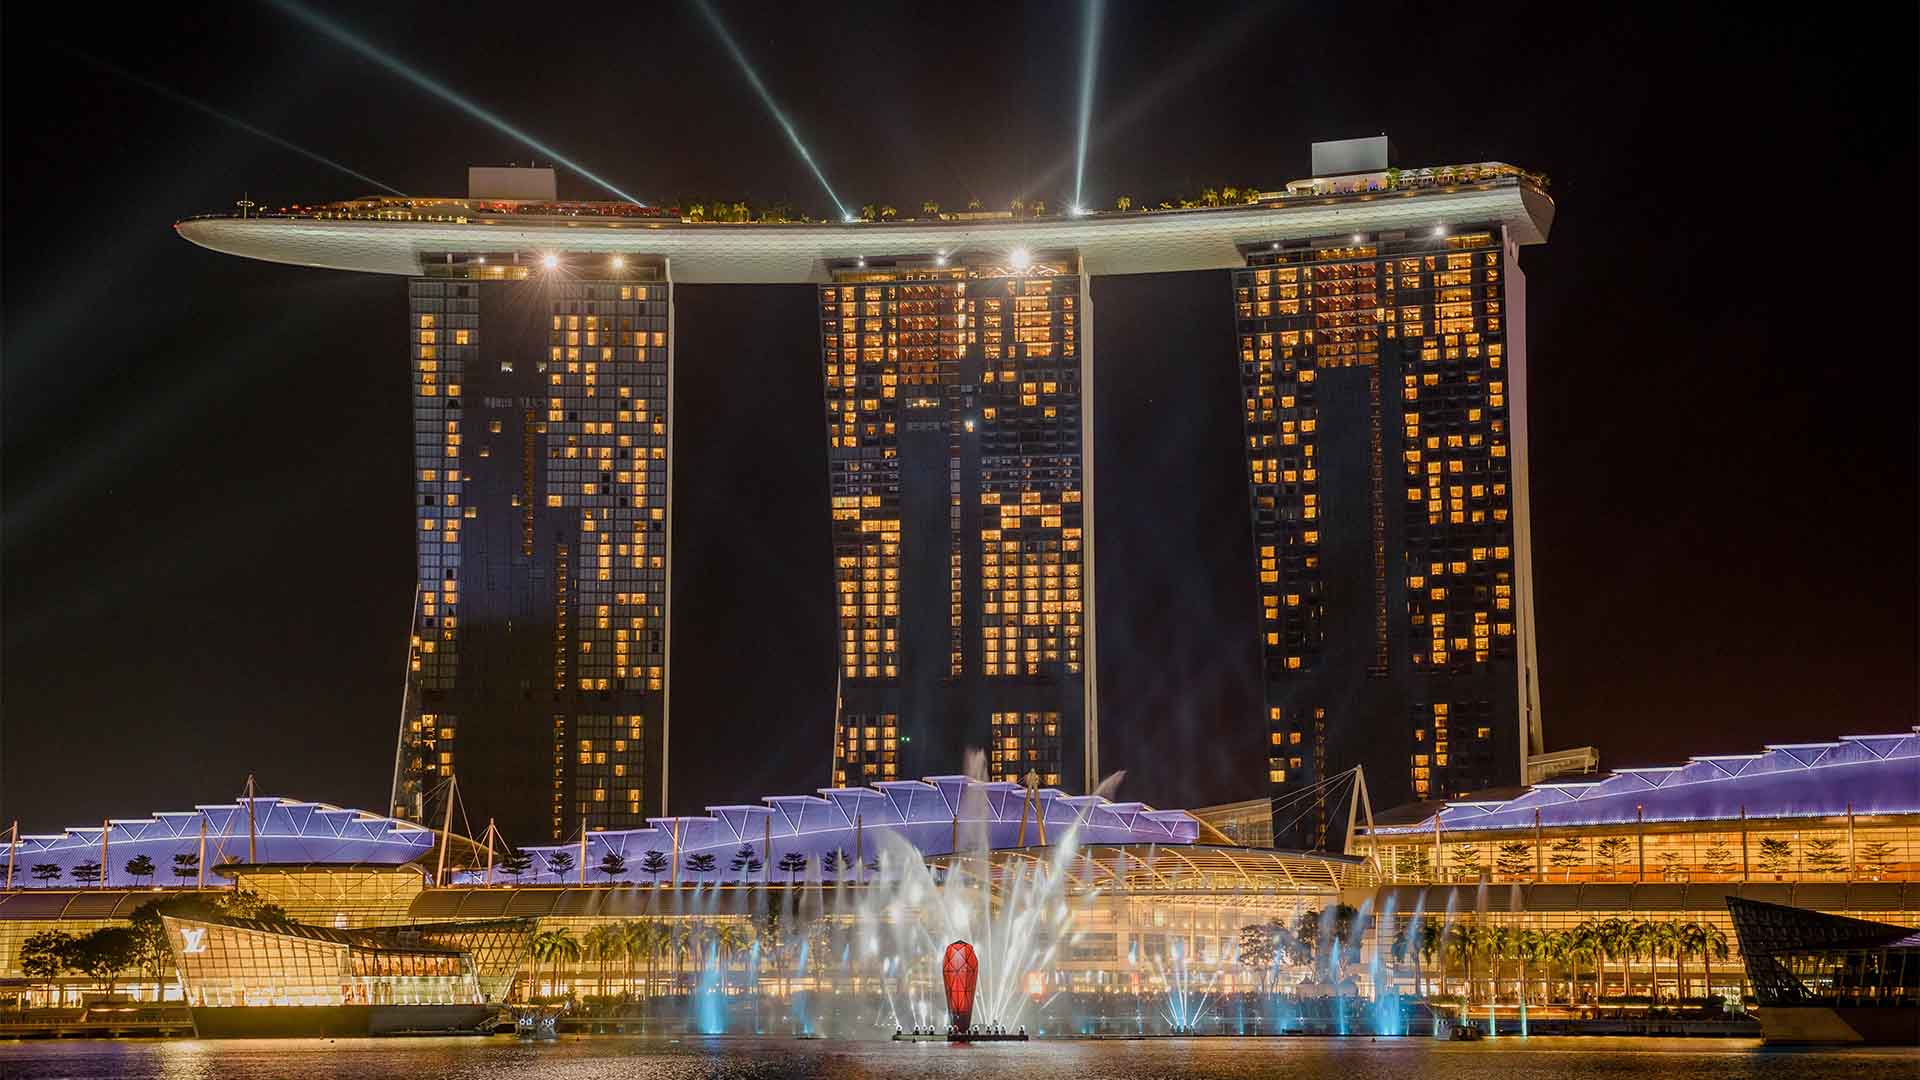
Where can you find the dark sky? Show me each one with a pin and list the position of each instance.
(207, 542)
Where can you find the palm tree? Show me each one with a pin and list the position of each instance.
(1665, 938)
(930, 208)
(1711, 945)
(600, 945)
(1691, 940)
(1530, 946)
(1498, 943)
(1579, 945)
(186, 864)
(1209, 197)
(730, 938)
(1610, 938)
(1461, 941)
(140, 866)
(1405, 945)
(888, 213)
(1123, 204)
(552, 947)
(649, 937)
(1639, 943)
(869, 212)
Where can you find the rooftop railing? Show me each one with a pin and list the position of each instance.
(455, 211)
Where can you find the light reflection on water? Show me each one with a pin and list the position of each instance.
(604, 1058)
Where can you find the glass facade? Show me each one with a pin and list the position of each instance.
(541, 466)
(231, 963)
(953, 407)
(1379, 373)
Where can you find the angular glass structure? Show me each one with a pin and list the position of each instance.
(1827, 978)
(248, 977)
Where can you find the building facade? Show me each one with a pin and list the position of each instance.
(956, 371)
(961, 523)
(541, 462)
(1384, 382)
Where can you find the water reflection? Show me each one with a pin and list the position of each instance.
(697, 1058)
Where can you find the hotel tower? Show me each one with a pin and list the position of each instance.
(1380, 317)
(1384, 377)
(962, 556)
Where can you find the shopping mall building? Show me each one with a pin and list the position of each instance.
(1161, 901)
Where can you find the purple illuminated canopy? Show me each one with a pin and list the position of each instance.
(284, 831)
(852, 821)
(1861, 774)
(926, 813)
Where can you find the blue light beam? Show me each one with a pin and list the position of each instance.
(438, 89)
(200, 106)
(766, 98)
(1089, 68)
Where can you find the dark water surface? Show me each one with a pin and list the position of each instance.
(604, 1058)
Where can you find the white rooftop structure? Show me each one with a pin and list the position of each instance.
(391, 235)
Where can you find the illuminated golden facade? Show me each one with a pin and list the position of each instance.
(1377, 377)
(540, 423)
(953, 393)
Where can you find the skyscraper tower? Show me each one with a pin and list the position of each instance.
(1384, 374)
(538, 667)
(1381, 339)
(962, 555)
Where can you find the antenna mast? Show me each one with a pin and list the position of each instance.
(404, 802)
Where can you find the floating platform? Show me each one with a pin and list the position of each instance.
(958, 1037)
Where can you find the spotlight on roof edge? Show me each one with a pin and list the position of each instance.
(432, 86)
(766, 98)
(1089, 61)
(550, 261)
(1020, 258)
(619, 262)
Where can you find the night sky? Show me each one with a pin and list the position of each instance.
(207, 531)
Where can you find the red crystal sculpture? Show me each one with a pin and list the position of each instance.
(961, 971)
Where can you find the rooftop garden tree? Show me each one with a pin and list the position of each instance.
(744, 862)
(514, 863)
(1514, 859)
(1823, 855)
(613, 865)
(1776, 854)
(791, 864)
